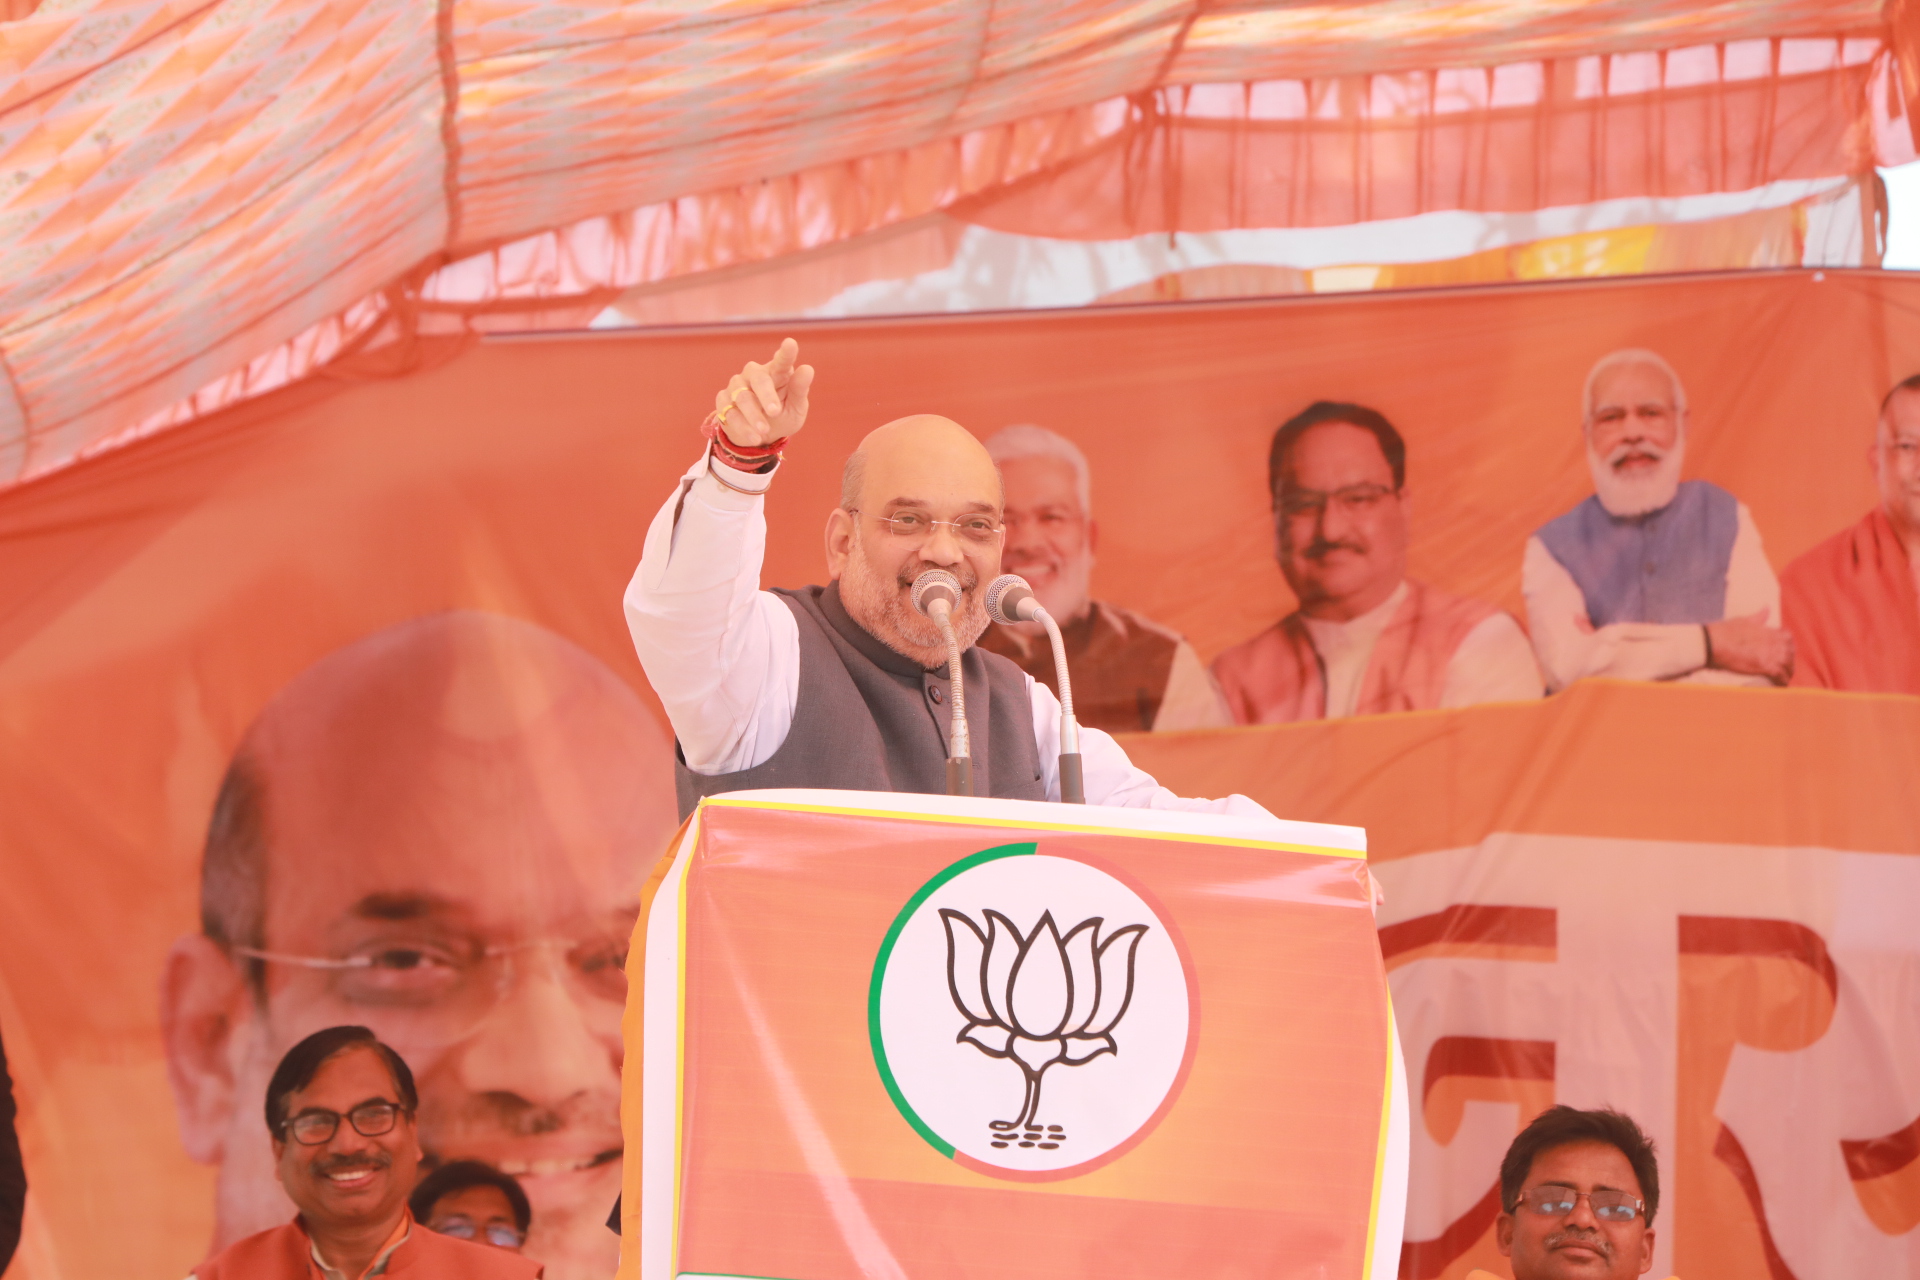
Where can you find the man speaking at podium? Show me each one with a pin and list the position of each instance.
(846, 686)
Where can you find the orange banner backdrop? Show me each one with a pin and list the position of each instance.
(1692, 904)
(398, 607)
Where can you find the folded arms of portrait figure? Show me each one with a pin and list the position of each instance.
(724, 655)
(1571, 647)
(1494, 663)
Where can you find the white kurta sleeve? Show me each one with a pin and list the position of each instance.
(1494, 663)
(1570, 648)
(1110, 777)
(723, 655)
(1192, 700)
(1751, 586)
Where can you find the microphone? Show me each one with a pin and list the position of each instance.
(1009, 600)
(936, 589)
(936, 593)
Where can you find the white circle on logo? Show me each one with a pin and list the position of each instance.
(1031, 1013)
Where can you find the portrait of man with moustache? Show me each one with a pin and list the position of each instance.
(439, 832)
(1365, 639)
(1128, 671)
(1652, 577)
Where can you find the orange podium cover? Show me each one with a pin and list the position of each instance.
(893, 1036)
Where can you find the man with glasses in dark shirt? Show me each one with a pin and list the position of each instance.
(1578, 1191)
(469, 1200)
(341, 1109)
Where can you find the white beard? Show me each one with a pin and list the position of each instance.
(1066, 598)
(1627, 496)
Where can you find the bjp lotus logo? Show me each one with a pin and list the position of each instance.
(1039, 1000)
(977, 979)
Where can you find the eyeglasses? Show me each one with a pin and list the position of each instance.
(369, 1120)
(1558, 1202)
(1352, 500)
(978, 528)
(499, 1234)
(446, 986)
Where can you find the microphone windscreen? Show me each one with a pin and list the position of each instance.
(1005, 596)
(935, 584)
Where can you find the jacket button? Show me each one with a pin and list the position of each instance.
(933, 691)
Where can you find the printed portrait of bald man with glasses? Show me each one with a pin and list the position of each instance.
(439, 832)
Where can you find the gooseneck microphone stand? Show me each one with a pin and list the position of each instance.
(1010, 600)
(935, 593)
(1073, 783)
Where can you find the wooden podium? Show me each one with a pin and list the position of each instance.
(928, 1037)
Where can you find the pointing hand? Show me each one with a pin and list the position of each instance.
(766, 402)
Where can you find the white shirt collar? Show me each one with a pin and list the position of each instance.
(1364, 629)
(379, 1267)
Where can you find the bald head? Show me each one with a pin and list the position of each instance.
(933, 468)
(919, 449)
(459, 735)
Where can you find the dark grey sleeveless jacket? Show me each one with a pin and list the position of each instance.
(870, 719)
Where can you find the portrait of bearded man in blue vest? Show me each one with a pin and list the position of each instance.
(1652, 577)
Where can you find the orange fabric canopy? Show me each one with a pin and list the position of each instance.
(185, 185)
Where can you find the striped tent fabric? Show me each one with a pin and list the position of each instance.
(201, 199)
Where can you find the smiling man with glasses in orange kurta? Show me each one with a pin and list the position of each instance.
(341, 1108)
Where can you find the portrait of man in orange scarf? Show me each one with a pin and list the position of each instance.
(1366, 638)
(1851, 602)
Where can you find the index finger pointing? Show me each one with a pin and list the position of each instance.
(783, 359)
(797, 391)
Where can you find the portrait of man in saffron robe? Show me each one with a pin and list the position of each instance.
(1852, 602)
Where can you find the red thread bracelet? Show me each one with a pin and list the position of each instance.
(753, 459)
(711, 428)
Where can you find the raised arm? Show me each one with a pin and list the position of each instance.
(723, 655)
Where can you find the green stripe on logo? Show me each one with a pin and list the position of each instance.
(880, 971)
